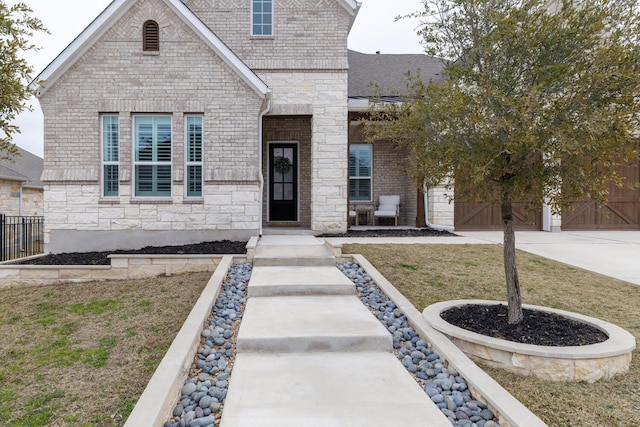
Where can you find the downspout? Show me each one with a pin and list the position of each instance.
(263, 112)
(448, 228)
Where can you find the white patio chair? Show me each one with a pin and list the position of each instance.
(388, 207)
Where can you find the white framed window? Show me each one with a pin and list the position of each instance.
(193, 156)
(110, 130)
(262, 17)
(360, 172)
(152, 156)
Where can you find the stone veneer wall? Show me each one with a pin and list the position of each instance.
(441, 209)
(116, 76)
(10, 199)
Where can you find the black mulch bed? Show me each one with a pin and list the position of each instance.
(217, 248)
(393, 232)
(537, 327)
(222, 247)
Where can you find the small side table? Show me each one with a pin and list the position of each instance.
(365, 211)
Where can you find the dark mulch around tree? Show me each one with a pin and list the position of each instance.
(222, 247)
(393, 232)
(537, 327)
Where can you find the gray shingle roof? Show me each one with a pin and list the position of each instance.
(26, 167)
(388, 71)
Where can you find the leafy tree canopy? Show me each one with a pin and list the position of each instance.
(539, 103)
(17, 26)
(536, 99)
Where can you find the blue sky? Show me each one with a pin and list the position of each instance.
(374, 30)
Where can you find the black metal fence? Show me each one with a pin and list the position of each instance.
(21, 236)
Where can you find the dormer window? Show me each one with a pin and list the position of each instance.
(262, 17)
(151, 37)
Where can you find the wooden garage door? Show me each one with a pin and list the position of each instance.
(485, 216)
(622, 212)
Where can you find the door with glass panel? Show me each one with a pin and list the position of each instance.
(283, 182)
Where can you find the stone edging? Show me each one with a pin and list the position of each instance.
(123, 267)
(576, 363)
(156, 402)
(507, 408)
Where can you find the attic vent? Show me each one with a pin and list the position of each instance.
(151, 36)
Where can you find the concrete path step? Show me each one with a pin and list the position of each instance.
(326, 390)
(290, 281)
(293, 255)
(310, 323)
(302, 251)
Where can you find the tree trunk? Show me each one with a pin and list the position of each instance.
(510, 267)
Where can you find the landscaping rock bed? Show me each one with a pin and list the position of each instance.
(446, 388)
(203, 394)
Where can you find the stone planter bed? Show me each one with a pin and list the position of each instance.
(575, 363)
(123, 267)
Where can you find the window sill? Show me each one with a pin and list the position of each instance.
(151, 201)
(150, 53)
(271, 37)
(109, 201)
(193, 201)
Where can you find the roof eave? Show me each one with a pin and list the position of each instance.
(12, 178)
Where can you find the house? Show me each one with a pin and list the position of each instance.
(21, 191)
(171, 122)
(387, 176)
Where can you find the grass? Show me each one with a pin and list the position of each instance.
(426, 274)
(81, 354)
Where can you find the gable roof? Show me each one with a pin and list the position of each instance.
(26, 167)
(389, 72)
(117, 10)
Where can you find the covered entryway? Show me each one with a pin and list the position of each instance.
(621, 212)
(287, 193)
(283, 182)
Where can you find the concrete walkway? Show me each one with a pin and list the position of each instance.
(611, 253)
(310, 353)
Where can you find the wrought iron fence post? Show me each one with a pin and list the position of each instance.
(2, 237)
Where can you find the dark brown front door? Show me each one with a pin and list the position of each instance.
(283, 182)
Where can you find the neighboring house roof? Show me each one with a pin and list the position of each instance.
(115, 11)
(26, 168)
(388, 71)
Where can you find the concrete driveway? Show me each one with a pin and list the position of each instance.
(612, 253)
